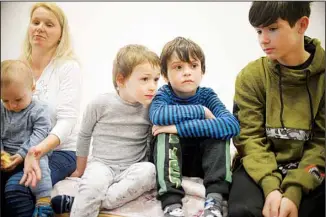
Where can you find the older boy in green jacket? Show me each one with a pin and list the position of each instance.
(280, 104)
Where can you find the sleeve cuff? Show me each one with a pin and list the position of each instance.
(269, 184)
(22, 153)
(82, 154)
(294, 193)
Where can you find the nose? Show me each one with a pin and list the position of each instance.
(187, 71)
(40, 27)
(264, 38)
(152, 86)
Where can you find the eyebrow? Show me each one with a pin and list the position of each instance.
(261, 27)
(176, 62)
(46, 19)
(148, 74)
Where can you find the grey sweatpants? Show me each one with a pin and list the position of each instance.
(105, 187)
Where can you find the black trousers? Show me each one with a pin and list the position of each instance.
(246, 198)
(196, 157)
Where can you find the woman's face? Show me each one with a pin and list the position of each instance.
(44, 29)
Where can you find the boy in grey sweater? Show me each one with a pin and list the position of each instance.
(120, 128)
(24, 123)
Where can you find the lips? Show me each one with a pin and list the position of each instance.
(38, 36)
(268, 50)
(149, 96)
(188, 81)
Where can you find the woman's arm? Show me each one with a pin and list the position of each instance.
(67, 112)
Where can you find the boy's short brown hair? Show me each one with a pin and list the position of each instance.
(265, 13)
(128, 57)
(16, 70)
(184, 48)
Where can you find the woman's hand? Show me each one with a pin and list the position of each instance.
(32, 171)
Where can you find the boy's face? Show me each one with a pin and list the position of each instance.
(142, 84)
(279, 40)
(184, 77)
(16, 96)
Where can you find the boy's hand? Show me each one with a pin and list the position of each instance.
(15, 159)
(272, 204)
(208, 113)
(172, 129)
(288, 208)
(76, 173)
(5, 160)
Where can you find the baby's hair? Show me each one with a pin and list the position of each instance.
(16, 70)
(128, 57)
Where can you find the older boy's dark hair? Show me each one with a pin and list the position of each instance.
(185, 49)
(265, 13)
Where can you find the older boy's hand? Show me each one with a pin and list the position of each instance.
(208, 113)
(172, 129)
(272, 204)
(288, 208)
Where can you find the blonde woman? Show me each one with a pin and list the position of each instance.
(47, 49)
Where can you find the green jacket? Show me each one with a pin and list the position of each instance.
(282, 119)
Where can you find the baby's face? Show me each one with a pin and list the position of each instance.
(16, 96)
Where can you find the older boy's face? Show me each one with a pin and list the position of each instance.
(141, 85)
(16, 96)
(279, 40)
(184, 77)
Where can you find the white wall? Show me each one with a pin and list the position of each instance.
(100, 29)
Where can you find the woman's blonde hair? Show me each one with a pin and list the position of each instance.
(64, 49)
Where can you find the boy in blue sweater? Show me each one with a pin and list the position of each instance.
(193, 129)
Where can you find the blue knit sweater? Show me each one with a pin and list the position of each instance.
(188, 114)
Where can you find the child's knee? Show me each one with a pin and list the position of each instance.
(94, 184)
(145, 170)
(148, 167)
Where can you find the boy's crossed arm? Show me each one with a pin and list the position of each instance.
(190, 121)
(163, 113)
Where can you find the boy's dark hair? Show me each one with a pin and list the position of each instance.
(185, 49)
(263, 13)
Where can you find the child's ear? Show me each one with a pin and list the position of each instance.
(166, 79)
(303, 23)
(33, 87)
(120, 80)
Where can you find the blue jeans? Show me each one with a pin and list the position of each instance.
(18, 200)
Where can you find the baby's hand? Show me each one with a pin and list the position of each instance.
(5, 160)
(15, 159)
